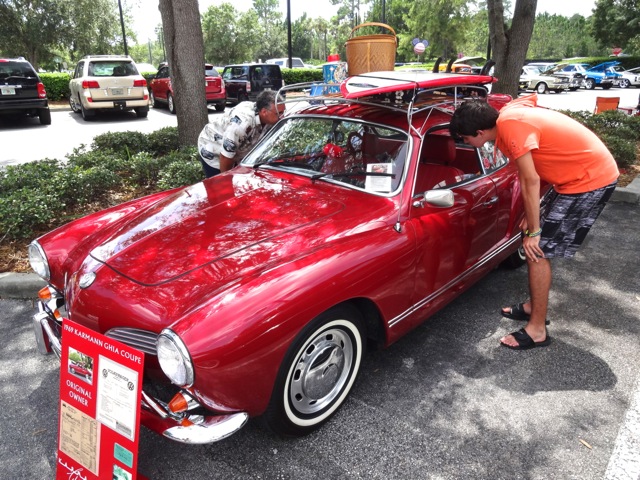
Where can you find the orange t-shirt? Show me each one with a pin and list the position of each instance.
(565, 153)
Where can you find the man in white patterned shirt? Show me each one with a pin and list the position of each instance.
(228, 138)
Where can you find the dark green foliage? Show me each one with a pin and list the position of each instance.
(184, 168)
(56, 85)
(301, 75)
(38, 196)
(164, 141)
(122, 142)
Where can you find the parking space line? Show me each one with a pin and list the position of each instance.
(624, 463)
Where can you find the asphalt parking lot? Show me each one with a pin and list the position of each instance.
(446, 402)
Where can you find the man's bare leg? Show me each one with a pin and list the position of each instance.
(539, 286)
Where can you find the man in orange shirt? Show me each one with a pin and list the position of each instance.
(551, 147)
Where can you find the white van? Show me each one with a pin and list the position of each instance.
(284, 62)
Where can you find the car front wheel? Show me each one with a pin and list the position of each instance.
(625, 83)
(541, 88)
(317, 373)
(589, 84)
(516, 259)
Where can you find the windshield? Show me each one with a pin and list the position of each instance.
(356, 154)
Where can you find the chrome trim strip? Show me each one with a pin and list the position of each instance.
(458, 279)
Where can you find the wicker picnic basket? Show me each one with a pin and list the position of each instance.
(370, 53)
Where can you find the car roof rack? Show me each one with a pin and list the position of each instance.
(128, 57)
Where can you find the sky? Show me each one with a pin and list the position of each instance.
(146, 15)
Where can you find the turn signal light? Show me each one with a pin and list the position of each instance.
(140, 83)
(44, 294)
(90, 84)
(178, 403)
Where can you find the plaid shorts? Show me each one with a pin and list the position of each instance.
(566, 219)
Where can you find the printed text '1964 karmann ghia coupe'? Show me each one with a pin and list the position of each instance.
(256, 293)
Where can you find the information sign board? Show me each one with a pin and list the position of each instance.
(100, 390)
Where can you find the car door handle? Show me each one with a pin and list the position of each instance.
(492, 201)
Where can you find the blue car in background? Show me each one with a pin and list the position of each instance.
(602, 75)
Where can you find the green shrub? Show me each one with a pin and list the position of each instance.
(183, 169)
(79, 186)
(164, 141)
(26, 211)
(301, 75)
(28, 175)
(129, 143)
(56, 85)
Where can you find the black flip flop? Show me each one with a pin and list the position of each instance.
(525, 342)
(516, 312)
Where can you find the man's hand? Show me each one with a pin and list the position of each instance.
(532, 248)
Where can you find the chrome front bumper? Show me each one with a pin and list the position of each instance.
(155, 414)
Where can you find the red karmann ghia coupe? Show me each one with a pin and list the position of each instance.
(256, 292)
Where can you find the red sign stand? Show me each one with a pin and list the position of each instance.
(100, 390)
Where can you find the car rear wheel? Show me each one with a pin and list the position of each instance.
(541, 88)
(317, 372)
(73, 105)
(86, 113)
(589, 84)
(220, 108)
(142, 112)
(45, 116)
(170, 104)
(625, 83)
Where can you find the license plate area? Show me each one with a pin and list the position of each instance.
(7, 90)
(117, 91)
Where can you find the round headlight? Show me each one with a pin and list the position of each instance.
(174, 359)
(38, 260)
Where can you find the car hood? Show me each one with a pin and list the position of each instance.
(220, 218)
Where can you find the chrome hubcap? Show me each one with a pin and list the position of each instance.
(321, 371)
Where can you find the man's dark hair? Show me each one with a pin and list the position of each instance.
(267, 98)
(471, 116)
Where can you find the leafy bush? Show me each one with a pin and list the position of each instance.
(301, 75)
(122, 142)
(184, 168)
(56, 85)
(28, 175)
(26, 211)
(164, 141)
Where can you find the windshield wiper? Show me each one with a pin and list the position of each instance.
(352, 174)
(284, 163)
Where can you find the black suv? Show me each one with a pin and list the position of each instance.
(21, 91)
(246, 81)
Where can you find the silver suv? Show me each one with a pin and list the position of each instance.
(108, 82)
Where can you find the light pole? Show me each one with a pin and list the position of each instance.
(124, 34)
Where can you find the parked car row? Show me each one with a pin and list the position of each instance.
(543, 77)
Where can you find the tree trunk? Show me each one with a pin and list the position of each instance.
(510, 44)
(185, 55)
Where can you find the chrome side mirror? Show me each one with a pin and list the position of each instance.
(437, 198)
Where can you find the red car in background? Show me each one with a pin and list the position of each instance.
(258, 291)
(161, 90)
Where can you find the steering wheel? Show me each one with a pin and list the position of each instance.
(354, 139)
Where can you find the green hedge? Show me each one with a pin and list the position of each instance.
(56, 85)
(301, 75)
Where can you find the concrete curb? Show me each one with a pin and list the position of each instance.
(26, 285)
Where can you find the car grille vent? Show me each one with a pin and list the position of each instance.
(143, 340)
